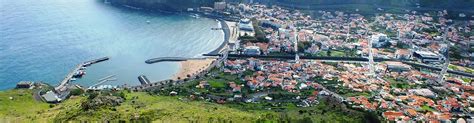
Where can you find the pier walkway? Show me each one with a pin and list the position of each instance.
(70, 75)
(103, 80)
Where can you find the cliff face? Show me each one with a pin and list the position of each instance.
(169, 5)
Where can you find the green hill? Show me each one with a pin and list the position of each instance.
(140, 106)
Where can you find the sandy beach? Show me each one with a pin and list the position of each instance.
(191, 67)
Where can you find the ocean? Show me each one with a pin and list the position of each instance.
(42, 40)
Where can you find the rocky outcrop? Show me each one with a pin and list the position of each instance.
(101, 101)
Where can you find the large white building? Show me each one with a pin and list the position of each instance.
(246, 27)
(252, 50)
(219, 5)
(380, 40)
(246, 24)
(427, 57)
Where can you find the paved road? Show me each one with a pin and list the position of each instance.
(342, 59)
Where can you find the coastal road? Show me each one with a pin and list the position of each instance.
(341, 59)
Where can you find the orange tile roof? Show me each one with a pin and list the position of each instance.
(392, 115)
(411, 112)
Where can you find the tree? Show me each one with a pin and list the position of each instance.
(455, 52)
(303, 45)
(402, 45)
(92, 95)
(76, 92)
(306, 120)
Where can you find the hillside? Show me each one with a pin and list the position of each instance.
(171, 5)
(140, 106)
(23, 108)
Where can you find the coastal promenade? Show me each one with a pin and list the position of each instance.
(68, 77)
(62, 85)
(226, 30)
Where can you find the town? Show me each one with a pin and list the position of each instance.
(400, 85)
(404, 66)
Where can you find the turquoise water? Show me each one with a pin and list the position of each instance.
(42, 40)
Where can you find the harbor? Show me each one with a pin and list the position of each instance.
(190, 68)
(77, 72)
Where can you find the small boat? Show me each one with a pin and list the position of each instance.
(79, 74)
(73, 79)
(148, 22)
(195, 16)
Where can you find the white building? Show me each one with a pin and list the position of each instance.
(246, 27)
(219, 5)
(380, 40)
(427, 57)
(423, 92)
(246, 24)
(252, 50)
(51, 97)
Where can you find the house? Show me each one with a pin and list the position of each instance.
(393, 115)
(24, 84)
(51, 97)
(411, 112)
(403, 54)
(203, 84)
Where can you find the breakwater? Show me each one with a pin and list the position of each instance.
(70, 75)
(170, 59)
